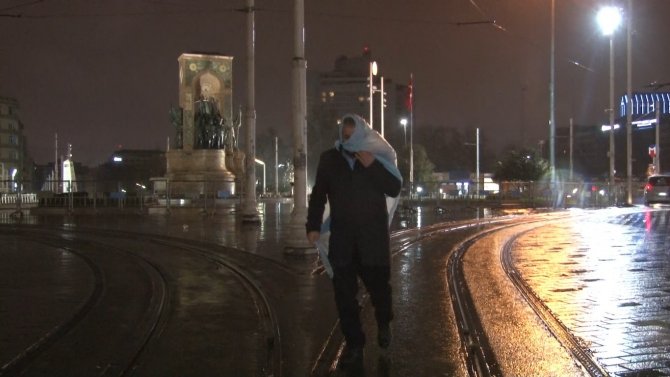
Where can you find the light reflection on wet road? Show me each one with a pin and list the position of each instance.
(607, 278)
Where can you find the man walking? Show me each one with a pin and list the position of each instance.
(355, 183)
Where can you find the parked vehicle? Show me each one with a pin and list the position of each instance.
(657, 189)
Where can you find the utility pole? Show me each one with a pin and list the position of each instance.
(552, 96)
(296, 240)
(571, 146)
(411, 137)
(629, 108)
(478, 180)
(611, 114)
(56, 173)
(249, 211)
(658, 138)
(276, 166)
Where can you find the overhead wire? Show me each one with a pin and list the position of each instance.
(489, 20)
(21, 5)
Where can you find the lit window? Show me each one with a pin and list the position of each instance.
(332, 94)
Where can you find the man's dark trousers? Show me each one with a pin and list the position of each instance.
(345, 283)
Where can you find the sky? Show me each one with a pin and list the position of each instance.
(103, 73)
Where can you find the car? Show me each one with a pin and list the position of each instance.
(657, 189)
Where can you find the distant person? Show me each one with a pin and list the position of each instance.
(355, 179)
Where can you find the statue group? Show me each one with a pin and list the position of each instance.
(211, 129)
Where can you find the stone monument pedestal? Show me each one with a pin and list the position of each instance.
(198, 172)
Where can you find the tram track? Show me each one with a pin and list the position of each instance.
(327, 360)
(152, 319)
(557, 328)
(155, 317)
(480, 358)
(272, 362)
(23, 358)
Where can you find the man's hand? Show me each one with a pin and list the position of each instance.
(313, 236)
(366, 158)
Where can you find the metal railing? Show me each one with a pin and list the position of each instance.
(13, 199)
(163, 195)
(125, 195)
(539, 194)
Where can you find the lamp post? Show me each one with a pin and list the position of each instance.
(403, 122)
(373, 72)
(262, 164)
(609, 19)
(381, 106)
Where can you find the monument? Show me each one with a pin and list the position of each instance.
(204, 158)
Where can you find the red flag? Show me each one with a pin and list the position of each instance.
(409, 100)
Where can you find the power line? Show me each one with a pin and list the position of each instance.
(21, 5)
(121, 14)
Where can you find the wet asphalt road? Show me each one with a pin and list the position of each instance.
(569, 263)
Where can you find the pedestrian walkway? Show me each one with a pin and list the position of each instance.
(607, 278)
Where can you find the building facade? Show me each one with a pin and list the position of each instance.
(13, 159)
(591, 142)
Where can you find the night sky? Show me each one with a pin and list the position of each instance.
(103, 73)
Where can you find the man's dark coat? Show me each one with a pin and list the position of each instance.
(358, 213)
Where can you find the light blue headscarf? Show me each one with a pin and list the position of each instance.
(364, 138)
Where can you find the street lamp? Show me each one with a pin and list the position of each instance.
(373, 72)
(609, 19)
(262, 164)
(403, 122)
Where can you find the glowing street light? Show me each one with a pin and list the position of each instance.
(403, 122)
(609, 19)
(262, 163)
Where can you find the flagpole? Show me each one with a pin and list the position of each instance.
(411, 135)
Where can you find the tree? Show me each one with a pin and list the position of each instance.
(423, 167)
(453, 149)
(520, 165)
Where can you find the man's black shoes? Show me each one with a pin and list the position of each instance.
(384, 335)
(351, 356)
